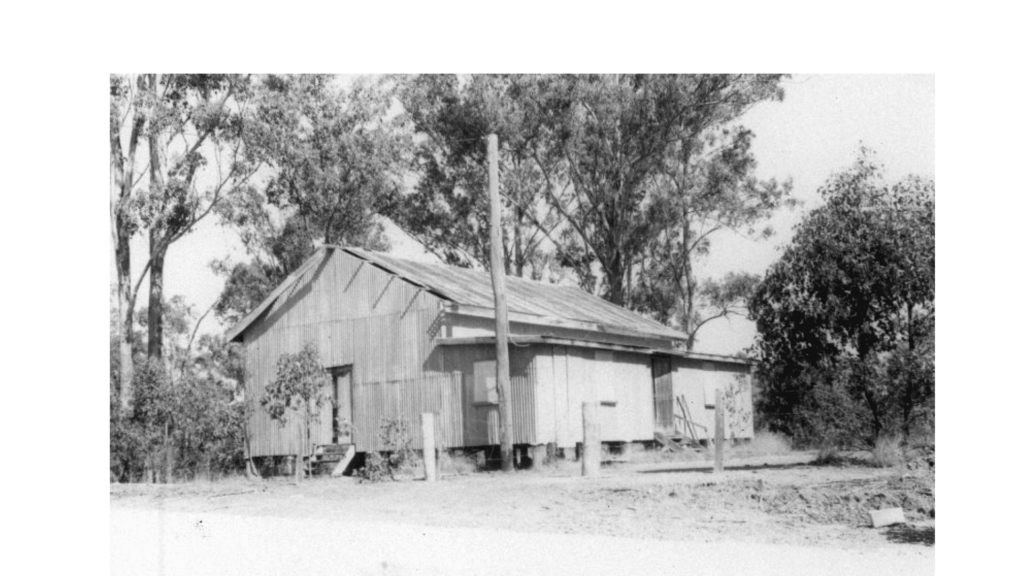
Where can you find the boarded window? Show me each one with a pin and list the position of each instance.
(485, 382)
(709, 394)
(604, 377)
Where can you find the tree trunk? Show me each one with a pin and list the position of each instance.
(157, 248)
(689, 322)
(910, 385)
(519, 258)
(168, 456)
(121, 173)
(156, 302)
(124, 318)
(615, 276)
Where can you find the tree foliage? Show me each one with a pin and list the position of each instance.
(201, 145)
(619, 135)
(619, 179)
(846, 316)
(299, 388)
(338, 158)
(707, 186)
(336, 163)
(448, 211)
(186, 427)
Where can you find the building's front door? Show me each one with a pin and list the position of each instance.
(661, 373)
(342, 398)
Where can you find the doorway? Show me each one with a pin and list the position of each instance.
(661, 374)
(341, 399)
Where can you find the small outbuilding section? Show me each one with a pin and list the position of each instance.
(400, 338)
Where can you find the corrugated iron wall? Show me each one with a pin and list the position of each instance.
(356, 315)
(385, 328)
(376, 402)
(480, 421)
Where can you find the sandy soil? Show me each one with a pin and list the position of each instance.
(777, 500)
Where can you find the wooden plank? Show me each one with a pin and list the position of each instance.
(668, 442)
(429, 455)
(342, 465)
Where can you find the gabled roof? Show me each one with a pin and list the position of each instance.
(469, 290)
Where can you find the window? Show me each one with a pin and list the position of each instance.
(485, 382)
(604, 377)
(709, 394)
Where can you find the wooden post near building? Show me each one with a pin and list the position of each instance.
(504, 384)
(719, 432)
(429, 454)
(591, 440)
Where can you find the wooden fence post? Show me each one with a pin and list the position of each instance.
(429, 455)
(591, 440)
(719, 432)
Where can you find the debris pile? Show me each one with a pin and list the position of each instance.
(850, 502)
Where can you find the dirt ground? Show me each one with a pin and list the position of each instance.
(769, 499)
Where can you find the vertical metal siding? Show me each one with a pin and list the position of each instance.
(386, 328)
(354, 315)
(480, 422)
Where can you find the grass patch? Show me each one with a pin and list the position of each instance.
(828, 455)
(457, 465)
(888, 452)
(763, 443)
(657, 455)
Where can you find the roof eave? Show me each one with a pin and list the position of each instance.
(479, 312)
(557, 341)
(234, 333)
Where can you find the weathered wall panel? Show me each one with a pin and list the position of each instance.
(480, 421)
(545, 400)
(697, 382)
(621, 380)
(376, 402)
(385, 328)
(357, 315)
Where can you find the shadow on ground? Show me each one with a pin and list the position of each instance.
(710, 467)
(904, 534)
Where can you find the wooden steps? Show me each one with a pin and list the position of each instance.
(678, 442)
(333, 459)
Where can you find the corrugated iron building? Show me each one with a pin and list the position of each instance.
(401, 338)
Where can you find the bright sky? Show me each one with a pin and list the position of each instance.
(814, 132)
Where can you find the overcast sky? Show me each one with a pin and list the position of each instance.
(815, 131)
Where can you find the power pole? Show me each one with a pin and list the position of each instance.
(500, 309)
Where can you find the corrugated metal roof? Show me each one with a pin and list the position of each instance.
(473, 288)
(545, 302)
(251, 317)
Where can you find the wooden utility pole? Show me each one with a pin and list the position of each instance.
(719, 432)
(591, 440)
(429, 457)
(500, 309)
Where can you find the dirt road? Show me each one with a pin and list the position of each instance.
(192, 544)
(782, 517)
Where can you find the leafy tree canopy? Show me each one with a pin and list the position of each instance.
(853, 293)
